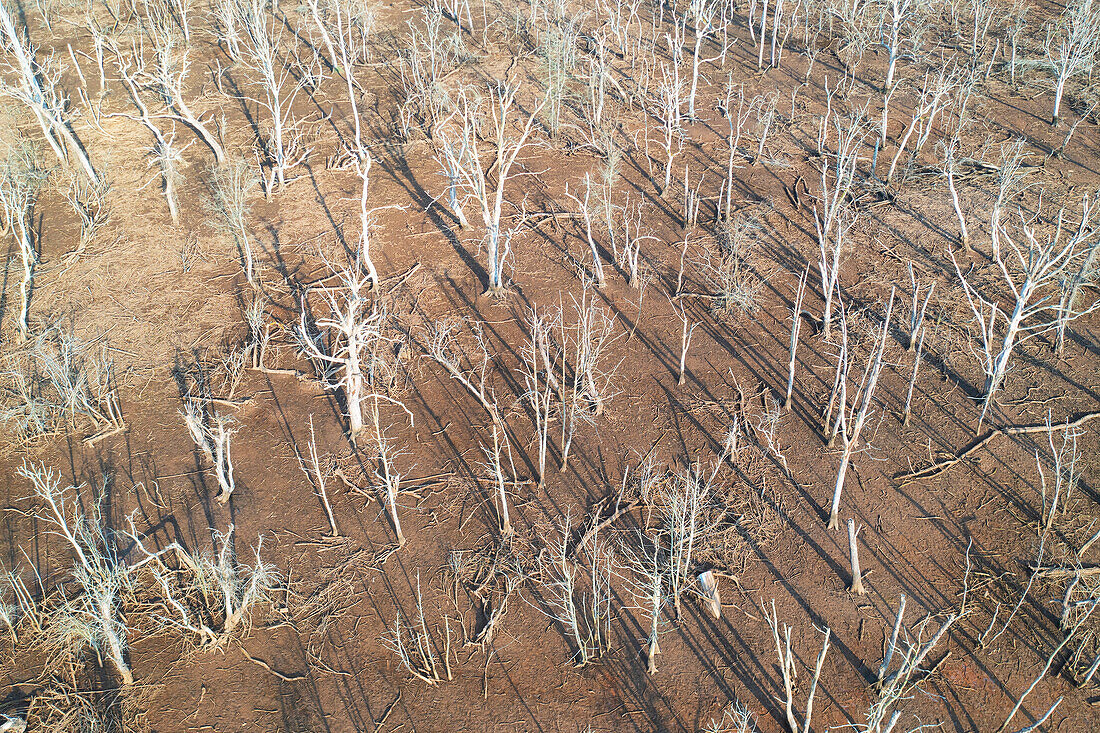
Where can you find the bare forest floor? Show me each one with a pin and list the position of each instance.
(167, 304)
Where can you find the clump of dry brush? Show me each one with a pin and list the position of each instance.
(57, 381)
(119, 587)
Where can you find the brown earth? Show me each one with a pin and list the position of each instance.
(161, 295)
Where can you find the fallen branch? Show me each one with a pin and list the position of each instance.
(620, 508)
(272, 670)
(595, 529)
(1059, 573)
(937, 468)
(386, 713)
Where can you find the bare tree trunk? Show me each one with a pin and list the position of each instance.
(853, 555)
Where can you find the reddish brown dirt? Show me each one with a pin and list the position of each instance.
(156, 308)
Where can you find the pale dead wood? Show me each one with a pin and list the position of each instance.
(269, 668)
(937, 468)
(386, 713)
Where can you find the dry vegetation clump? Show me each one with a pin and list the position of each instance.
(90, 614)
(57, 381)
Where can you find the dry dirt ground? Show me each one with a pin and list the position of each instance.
(168, 300)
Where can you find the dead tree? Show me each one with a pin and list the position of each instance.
(702, 14)
(586, 216)
(647, 584)
(1072, 287)
(1071, 47)
(233, 186)
(896, 36)
(540, 359)
(949, 166)
(936, 94)
(894, 687)
(835, 216)
(266, 55)
(853, 556)
(345, 32)
(165, 155)
(318, 475)
(913, 379)
(1034, 266)
(669, 113)
(167, 77)
(213, 434)
(362, 162)
(21, 180)
(796, 327)
(347, 345)
(472, 165)
(687, 330)
(494, 464)
(788, 670)
(93, 619)
(37, 88)
(917, 309)
(852, 419)
(1010, 174)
